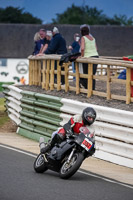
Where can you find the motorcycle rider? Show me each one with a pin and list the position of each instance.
(73, 126)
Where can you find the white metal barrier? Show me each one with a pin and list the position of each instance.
(113, 131)
(111, 115)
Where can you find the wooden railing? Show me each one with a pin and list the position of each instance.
(42, 71)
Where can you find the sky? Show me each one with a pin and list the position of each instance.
(47, 9)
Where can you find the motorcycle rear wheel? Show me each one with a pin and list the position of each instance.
(69, 169)
(39, 164)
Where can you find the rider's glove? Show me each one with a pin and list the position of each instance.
(69, 132)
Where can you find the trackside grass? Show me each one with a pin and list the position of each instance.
(3, 115)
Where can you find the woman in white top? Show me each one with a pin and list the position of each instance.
(88, 49)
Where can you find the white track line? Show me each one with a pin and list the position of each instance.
(106, 179)
(20, 151)
(83, 172)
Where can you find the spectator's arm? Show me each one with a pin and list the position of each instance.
(96, 45)
(67, 126)
(82, 46)
(41, 48)
(44, 48)
(52, 47)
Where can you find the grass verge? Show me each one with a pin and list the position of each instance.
(3, 115)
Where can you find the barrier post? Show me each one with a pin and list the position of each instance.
(130, 58)
(131, 84)
(66, 77)
(90, 79)
(52, 75)
(31, 72)
(39, 72)
(47, 74)
(108, 83)
(58, 76)
(44, 74)
(77, 78)
(128, 87)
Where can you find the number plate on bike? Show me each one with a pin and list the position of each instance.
(87, 144)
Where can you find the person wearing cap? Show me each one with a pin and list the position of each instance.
(57, 46)
(49, 35)
(88, 49)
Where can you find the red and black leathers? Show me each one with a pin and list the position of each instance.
(73, 125)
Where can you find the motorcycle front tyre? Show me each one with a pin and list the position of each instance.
(66, 170)
(39, 164)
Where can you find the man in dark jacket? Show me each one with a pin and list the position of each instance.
(57, 46)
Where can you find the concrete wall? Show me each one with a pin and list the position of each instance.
(16, 40)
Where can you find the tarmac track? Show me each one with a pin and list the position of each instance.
(18, 181)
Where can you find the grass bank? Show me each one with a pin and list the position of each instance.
(3, 115)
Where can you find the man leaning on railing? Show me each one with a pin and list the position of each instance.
(57, 46)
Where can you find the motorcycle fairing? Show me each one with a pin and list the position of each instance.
(57, 152)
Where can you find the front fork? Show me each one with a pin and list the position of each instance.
(71, 154)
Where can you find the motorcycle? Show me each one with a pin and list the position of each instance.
(67, 157)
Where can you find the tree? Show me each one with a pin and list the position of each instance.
(123, 20)
(87, 15)
(17, 15)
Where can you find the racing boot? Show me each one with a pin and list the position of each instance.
(55, 140)
(44, 147)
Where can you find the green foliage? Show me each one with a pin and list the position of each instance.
(3, 119)
(70, 16)
(3, 115)
(87, 15)
(2, 102)
(123, 20)
(17, 15)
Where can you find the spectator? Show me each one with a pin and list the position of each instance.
(22, 80)
(76, 44)
(37, 47)
(75, 47)
(85, 25)
(57, 46)
(49, 35)
(42, 34)
(122, 75)
(48, 40)
(40, 43)
(37, 37)
(88, 49)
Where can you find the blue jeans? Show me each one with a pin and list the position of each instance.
(73, 68)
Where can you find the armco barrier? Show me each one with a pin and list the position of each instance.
(113, 116)
(39, 115)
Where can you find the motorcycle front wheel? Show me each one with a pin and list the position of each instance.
(69, 168)
(39, 164)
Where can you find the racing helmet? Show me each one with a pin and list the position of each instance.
(88, 116)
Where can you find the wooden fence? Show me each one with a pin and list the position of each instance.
(42, 71)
